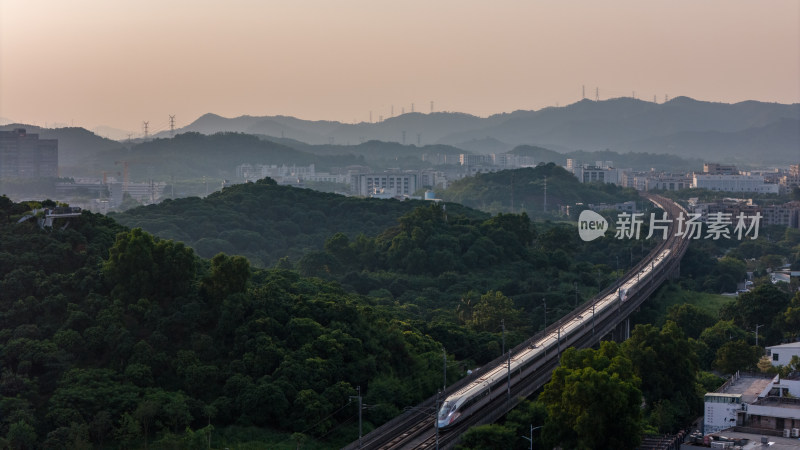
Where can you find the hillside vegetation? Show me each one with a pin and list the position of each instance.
(110, 337)
(266, 222)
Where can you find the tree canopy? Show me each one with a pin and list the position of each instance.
(593, 400)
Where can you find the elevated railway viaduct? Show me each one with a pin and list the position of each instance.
(606, 315)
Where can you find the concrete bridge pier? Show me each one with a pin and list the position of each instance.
(675, 274)
(622, 331)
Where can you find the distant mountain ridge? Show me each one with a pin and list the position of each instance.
(681, 126)
(74, 143)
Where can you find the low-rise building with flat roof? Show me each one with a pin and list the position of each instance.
(755, 403)
(781, 355)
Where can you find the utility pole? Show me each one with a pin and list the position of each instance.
(575, 283)
(508, 386)
(435, 422)
(558, 342)
(358, 389)
(531, 438)
(444, 371)
(545, 312)
(171, 125)
(545, 194)
(757, 326)
(512, 192)
(503, 324)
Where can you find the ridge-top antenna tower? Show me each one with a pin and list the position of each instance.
(431, 106)
(145, 124)
(597, 94)
(583, 92)
(171, 125)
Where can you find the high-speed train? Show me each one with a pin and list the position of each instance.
(494, 381)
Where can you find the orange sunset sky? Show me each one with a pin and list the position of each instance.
(118, 63)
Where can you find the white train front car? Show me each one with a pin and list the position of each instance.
(449, 412)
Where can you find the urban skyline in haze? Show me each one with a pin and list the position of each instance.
(92, 63)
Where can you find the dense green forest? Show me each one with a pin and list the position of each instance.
(110, 337)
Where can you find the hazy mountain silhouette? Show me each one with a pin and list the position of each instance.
(608, 124)
(622, 124)
(74, 143)
(429, 127)
(112, 133)
(486, 145)
(195, 154)
(774, 143)
(372, 149)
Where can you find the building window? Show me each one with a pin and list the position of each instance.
(774, 356)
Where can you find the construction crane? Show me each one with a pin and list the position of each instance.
(125, 174)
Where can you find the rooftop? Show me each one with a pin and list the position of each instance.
(783, 402)
(748, 385)
(786, 346)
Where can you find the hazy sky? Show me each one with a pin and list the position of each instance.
(121, 62)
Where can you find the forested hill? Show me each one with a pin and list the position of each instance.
(110, 338)
(266, 222)
(196, 155)
(379, 153)
(524, 190)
